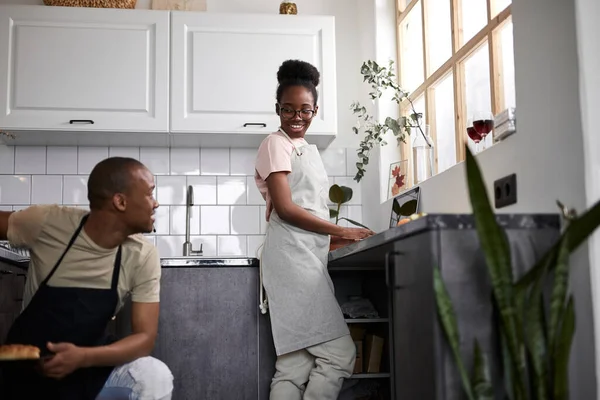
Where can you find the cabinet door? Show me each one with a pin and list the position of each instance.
(208, 331)
(81, 69)
(224, 69)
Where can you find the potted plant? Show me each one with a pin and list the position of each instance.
(339, 195)
(381, 80)
(535, 339)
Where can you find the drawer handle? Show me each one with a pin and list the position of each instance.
(255, 124)
(81, 121)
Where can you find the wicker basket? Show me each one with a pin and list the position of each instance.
(92, 3)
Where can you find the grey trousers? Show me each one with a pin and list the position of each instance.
(314, 373)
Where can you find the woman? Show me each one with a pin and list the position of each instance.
(314, 349)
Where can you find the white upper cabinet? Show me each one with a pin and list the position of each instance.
(224, 67)
(84, 69)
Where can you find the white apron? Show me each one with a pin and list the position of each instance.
(301, 299)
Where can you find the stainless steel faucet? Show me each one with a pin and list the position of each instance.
(187, 245)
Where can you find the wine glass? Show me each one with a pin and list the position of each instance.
(473, 134)
(483, 122)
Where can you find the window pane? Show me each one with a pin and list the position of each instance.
(477, 84)
(508, 64)
(499, 5)
(411, 49)
(439, 33)
(474, 18)
(444, 123)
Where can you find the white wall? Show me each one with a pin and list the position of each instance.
(587, 13)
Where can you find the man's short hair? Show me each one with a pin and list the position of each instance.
(110, 176)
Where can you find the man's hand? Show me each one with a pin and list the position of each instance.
(67, 358)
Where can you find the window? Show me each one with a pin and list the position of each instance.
(455, 59)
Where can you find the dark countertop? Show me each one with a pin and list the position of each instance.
(444, 221)
(208, 262)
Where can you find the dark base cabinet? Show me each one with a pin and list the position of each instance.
(420, 363)
(211, 333)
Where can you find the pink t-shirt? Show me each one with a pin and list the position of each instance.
(274, 155)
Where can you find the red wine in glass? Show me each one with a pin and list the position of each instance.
(473, 134)
(483, 123)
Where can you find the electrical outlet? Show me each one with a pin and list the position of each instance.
(505, 191)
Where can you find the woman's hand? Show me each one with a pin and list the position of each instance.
(356, 233)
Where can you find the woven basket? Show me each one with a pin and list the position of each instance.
(92, 3)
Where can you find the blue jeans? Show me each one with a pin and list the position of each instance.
(143, 379)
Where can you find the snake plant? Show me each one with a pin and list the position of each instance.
(535, 340)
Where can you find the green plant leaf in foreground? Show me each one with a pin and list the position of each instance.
(336, 194)
(578, 230)
(333, 213)
(450, 327)
(559, 290)
(497, 254)
(563, 348)
(355, 223)
(482, 381)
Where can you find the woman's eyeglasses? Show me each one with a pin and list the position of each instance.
(288, 113)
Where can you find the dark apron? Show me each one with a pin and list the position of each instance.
(63, 314)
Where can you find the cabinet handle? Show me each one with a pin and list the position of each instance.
(255, 124)
(81, 121)
(387, 267)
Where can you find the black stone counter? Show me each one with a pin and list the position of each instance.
(208, 262)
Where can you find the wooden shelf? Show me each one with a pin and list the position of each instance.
(371, 376)
(366, 320)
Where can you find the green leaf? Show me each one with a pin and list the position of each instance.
(563, 348)
(450, 326)
(355, 223)
(336, 194)
(347, 193)
(578, 230)
(559, 289)
(508, 370)
(482, 381)
(333, 213)
(408, 208)
(535, 338)
(497, 255)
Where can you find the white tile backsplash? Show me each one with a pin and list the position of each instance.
(7, 160)
(228, 217)
(30, 160)
(89, 157)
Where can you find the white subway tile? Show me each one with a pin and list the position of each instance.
(232, 246)
(75, 189)
(170, 246)
(89, 157)
(178, 220)
(185, 161)
(254, 245)
(129, 152)
(30, 160)
(231, 190)
(214, 220)
(171, 190)
(253, 194)
(243, 161)
(214, 161)
(15, 189)
(355, 213)
(209, 245)
(343, 214)
(46, 189)
(351, 160)
(245, 220)
(355, 186)
(19, 208)
(156, 159)
(334, 160)
(263, 219)
(61, 160)
(162, 222)
(205, 189)
(6, 208)
(7, 160)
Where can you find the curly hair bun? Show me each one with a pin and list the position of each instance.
(296, 70)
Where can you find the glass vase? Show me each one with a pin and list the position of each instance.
(423, 154)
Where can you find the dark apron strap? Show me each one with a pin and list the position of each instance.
(116, 270)
(73, 238)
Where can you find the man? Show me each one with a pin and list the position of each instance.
(83, 265)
